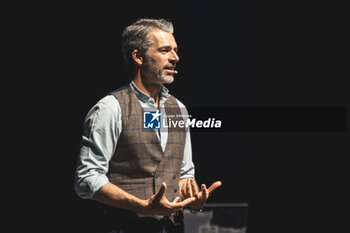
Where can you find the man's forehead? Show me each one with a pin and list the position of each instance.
(162, 38)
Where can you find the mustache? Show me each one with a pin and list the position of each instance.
(169, 67)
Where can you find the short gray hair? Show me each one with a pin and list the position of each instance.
(135, 36)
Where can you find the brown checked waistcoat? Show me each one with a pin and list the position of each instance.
(139, 165)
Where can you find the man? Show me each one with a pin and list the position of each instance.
(142, 177)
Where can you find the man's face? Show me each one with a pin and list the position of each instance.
(161, 58)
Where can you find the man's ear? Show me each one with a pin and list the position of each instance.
(137, 56)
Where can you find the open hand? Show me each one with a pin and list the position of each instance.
(158, 204)
(190, 189)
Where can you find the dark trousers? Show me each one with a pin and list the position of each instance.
(123, 221)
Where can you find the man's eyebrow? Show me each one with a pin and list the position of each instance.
(166, 47)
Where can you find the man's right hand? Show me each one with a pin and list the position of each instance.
(158, 204)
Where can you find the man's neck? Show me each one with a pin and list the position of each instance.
(151, 89)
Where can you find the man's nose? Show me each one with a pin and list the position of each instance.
(174, 57)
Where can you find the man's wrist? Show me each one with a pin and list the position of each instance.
(144, 207)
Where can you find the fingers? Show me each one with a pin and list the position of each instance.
(161, 192)
(177, 206)
(189, 188)
(160, 205)
(176, 200)
(183, 203)
(200, 196)
(183, 191)
(214, 186)
(194, 188)
(205, 192)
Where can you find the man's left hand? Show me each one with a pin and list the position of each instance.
(189, 188)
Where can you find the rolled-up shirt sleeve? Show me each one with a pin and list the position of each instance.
(101, 130)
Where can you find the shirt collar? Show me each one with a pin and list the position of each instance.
(164, 93)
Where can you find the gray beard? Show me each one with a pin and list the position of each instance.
(158, 74)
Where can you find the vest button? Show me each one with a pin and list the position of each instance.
(175, 190)
(157, 176)
(174, 177)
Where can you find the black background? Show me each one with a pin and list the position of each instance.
(232, 54)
